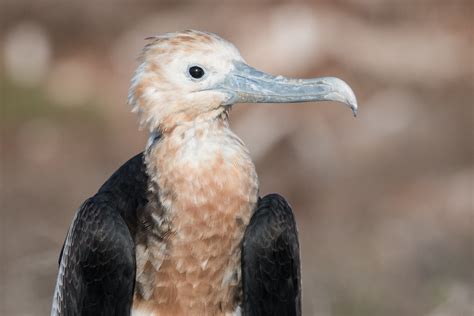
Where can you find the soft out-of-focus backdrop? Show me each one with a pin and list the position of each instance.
(383, 202)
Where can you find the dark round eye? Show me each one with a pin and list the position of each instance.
(196, 72)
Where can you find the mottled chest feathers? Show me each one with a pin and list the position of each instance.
(207, 189)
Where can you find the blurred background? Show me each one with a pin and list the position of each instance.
(384, 202)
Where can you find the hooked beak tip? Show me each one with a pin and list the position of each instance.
(351, 100)
(354, 108)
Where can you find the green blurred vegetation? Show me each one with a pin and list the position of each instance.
(22, 104)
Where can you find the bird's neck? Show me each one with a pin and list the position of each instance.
(204, 145)
(191, 118)
(198, 157)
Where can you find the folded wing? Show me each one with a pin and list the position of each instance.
(270, 260)
(97, 265)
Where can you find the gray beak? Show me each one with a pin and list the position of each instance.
(245, 84)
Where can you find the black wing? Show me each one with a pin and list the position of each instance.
(97, 264)
(270, 260)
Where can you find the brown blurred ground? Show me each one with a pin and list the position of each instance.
(384, 202)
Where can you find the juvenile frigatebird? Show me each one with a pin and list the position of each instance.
(180, 229)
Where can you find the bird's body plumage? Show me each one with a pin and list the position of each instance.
(99, 274)
(180, 229)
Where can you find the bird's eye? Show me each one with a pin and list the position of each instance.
(196, 72)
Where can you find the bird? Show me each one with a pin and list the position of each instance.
(180, 228)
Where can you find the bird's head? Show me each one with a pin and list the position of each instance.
(189, 76)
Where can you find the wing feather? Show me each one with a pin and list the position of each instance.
(97, 264)
(270, 260)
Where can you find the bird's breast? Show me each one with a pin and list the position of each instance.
(207, 187)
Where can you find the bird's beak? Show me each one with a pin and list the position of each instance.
(245, 84)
